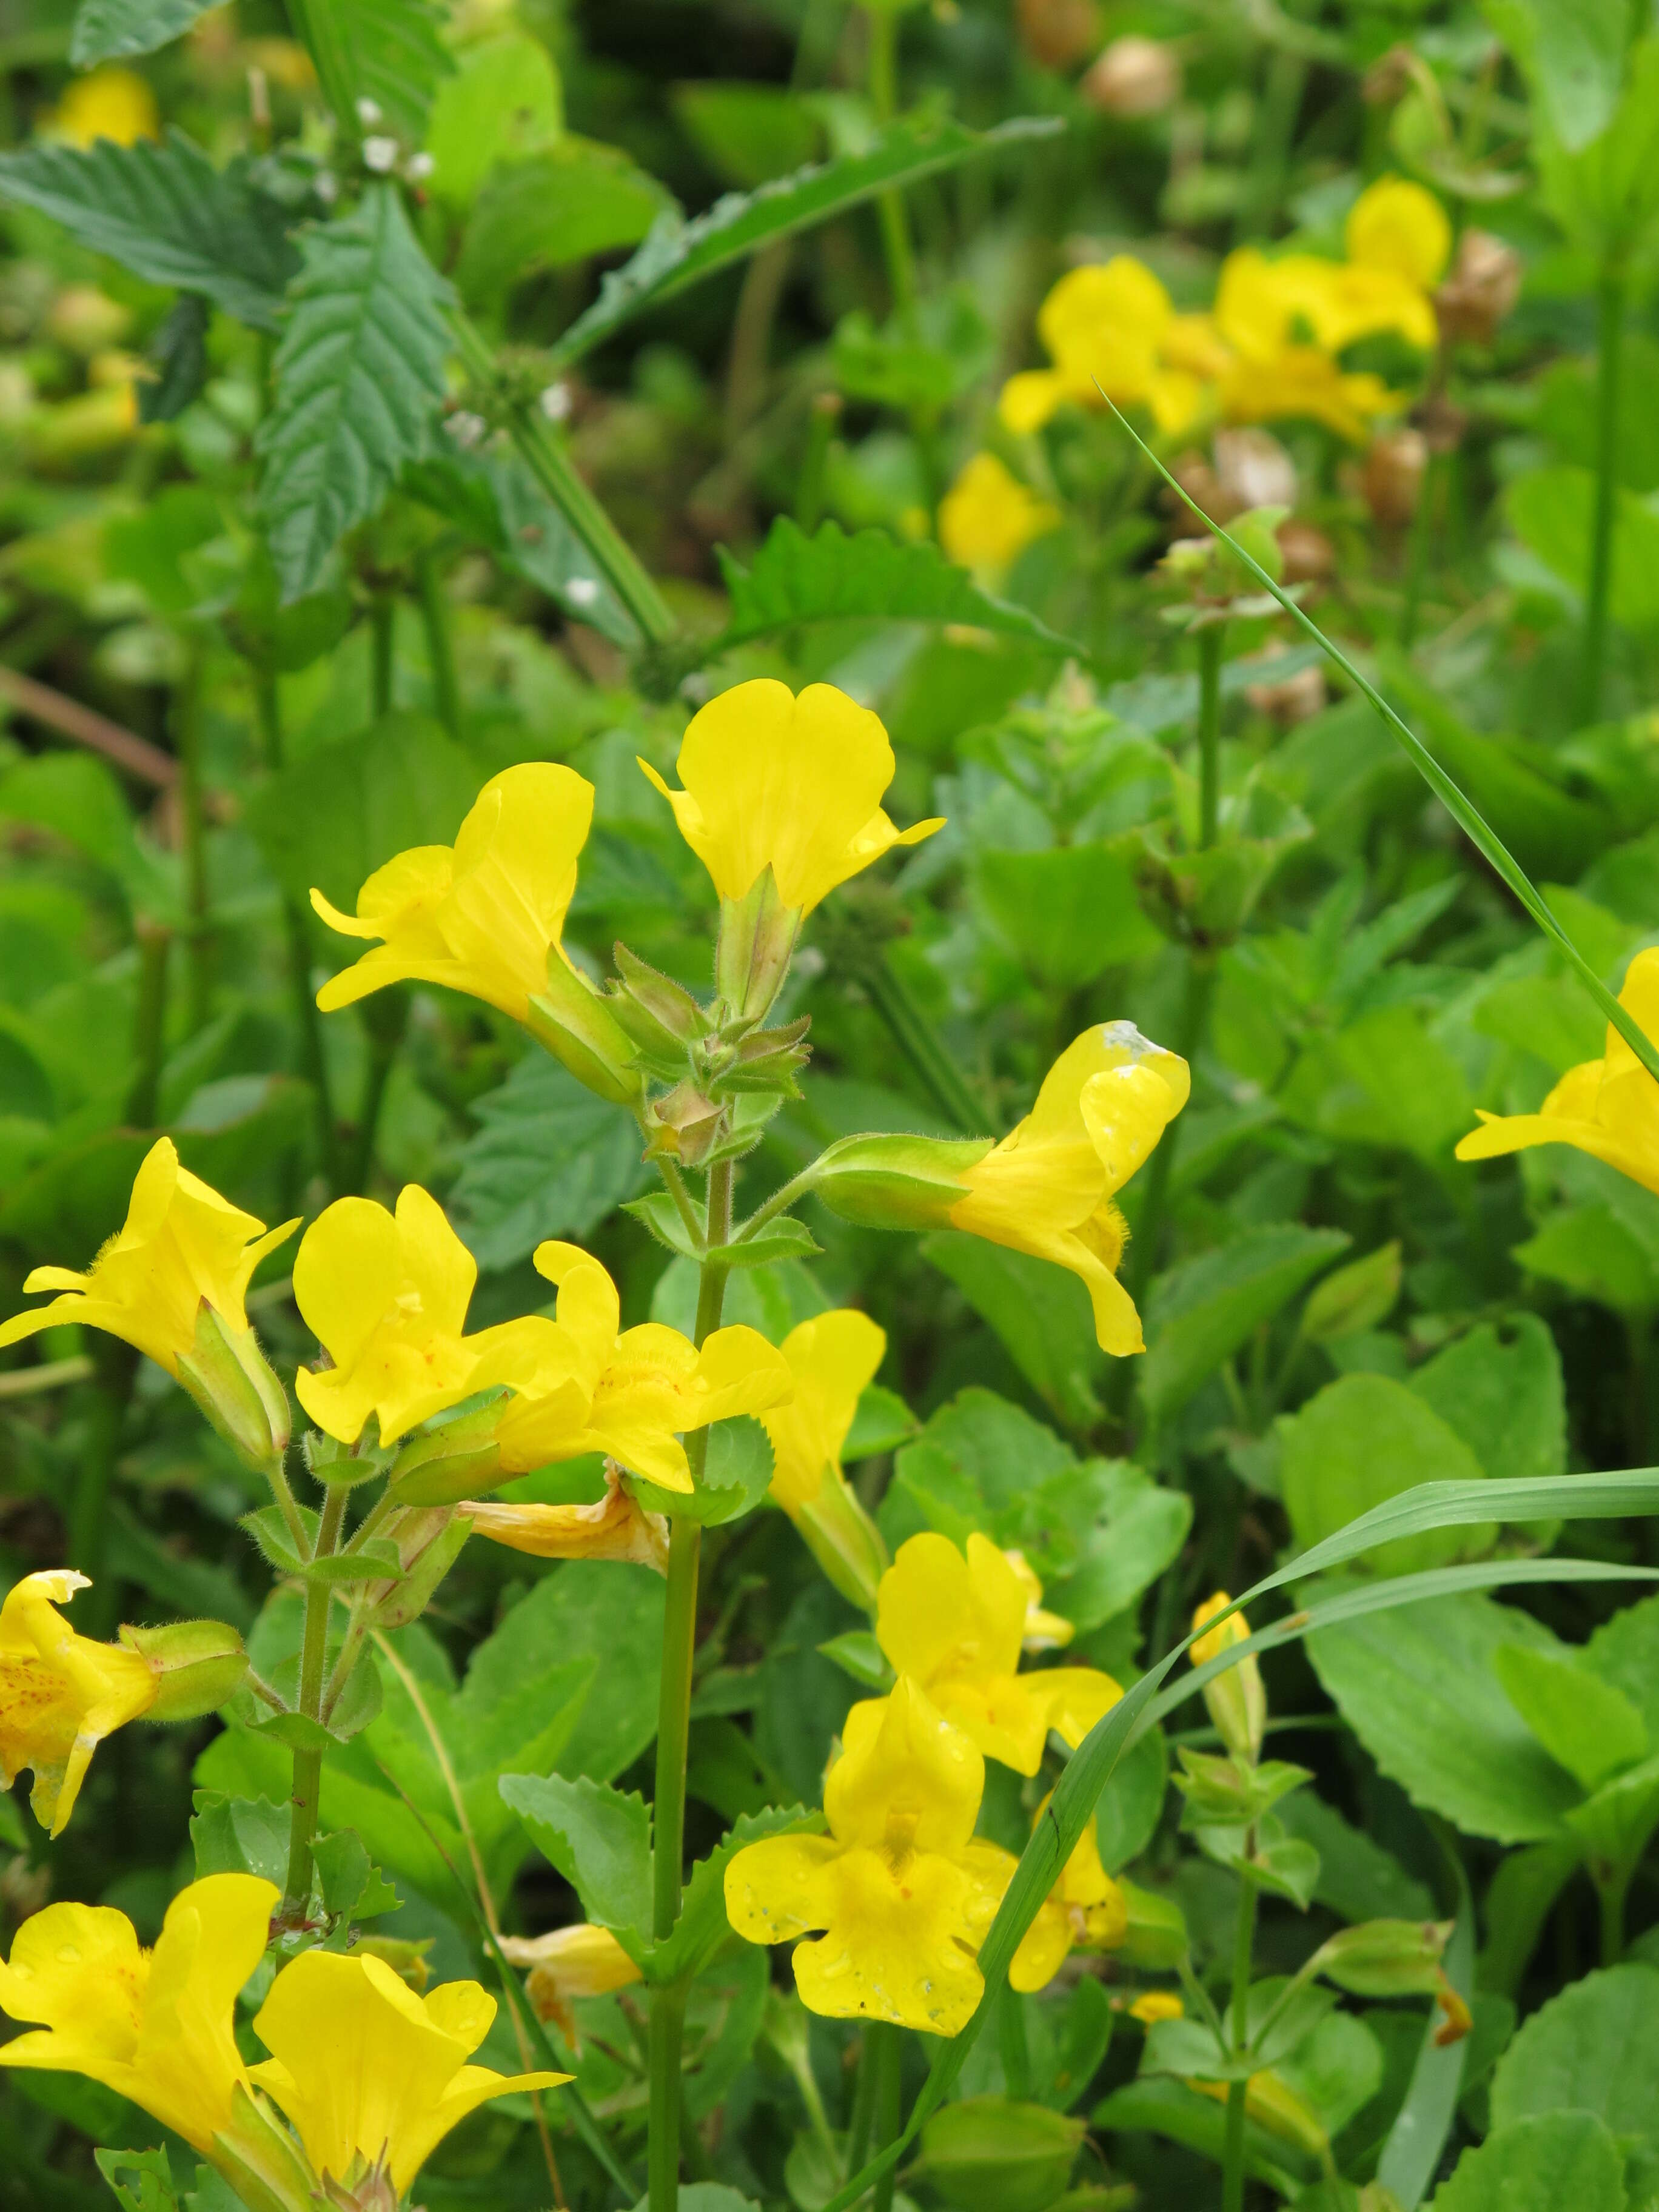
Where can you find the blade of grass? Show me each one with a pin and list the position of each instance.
(1451, 795)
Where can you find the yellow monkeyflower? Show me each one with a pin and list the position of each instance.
(60, 1694)
(365, 2069)
(567, 1963)
(1398, 225)
(157, 2025)
(630, 1393)
(903, 1891)
(832, 1358)
(1047, 1188)
(989, 518)
(182, 1246)
(1096, 1909)
(792, 783)
(1154, 2005)
(1111, 329)
(1608, 1107)
(110, 103)
(386, 1295)
(1236, 1700)
(614, 1526)
(954, 1624)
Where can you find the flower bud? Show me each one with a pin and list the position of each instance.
(1237, 1701)
(1154, 2005)
(1057, 34)
(429, 1542)
(573, 1022)
(660, 1016)
(896, 1182)
(450, 1462)
(230, 1379)
(199, 1666)
(685, 1125)
(1392, 479)
(260, 2160)
(1132, 77)
(1481, 288)
(1385, 1958)
(756, 944)
(843, 1540)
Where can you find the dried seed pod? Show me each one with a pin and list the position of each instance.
(1132, 77)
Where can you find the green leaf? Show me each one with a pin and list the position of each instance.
(1551, 510)
(142, 2179)
(676, 253)
(1589, 1251)
(992, 2155)
(1499, 1387)
(1386, 1079)
(166, 213)
(1585, 1724)
(398, 783)
(748, 133)
(1137, 1529)
(358, 376)
(858, 1654)
(1069, 911)
(830, 577)
(1359, 1880)
(108, 30)
(1202, 1311)
(352, 1886)
(547, 1159)
(1364, 1439)
(1352, 1299)
(1127, 1817)
(599, 1839)
(1625, 1653)
(735, 1478)
(1594, 2048)
(1422, 1695)
(701, 1928)
(503, 102)
(1571, 53)
(1606, 194)
(239, 1835)
(882, 1423)
(782, 1239)
(1041, 1312)
(389, 51)
(550, 212)
(1539, 2165)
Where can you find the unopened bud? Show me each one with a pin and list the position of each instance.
(896, 1182)
(429, 1542)
(1388, 78)
(366, 2188)
(1237, 1701)
(1385, 1958)
(756, 944)
(450, 1462)
(1132, 77)
(686, 1125)
(843, 1540)
(380, 155)
(1392, 479)
(576, 1025)
(231, 1380)
(1154, 2005)
(578, 1962)
(1481, 288)
(661, 1018)
(199, 1666)
(1058, 33)
(1234, 1792)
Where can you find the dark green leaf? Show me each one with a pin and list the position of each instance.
(548, 1159)
(1594, 2048)
(1202, 1312)
(166, 213)
(1362, 1439)
(1041, 1312)
(107, 30)
(178, 354)
(390, 52)
(358, 376)
(1539, 2165)
(599, 1839)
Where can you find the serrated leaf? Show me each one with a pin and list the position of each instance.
(702, 1927)
(349, 1882)
(598, 1838)
(178, 354)
(1202, 1311)
(358, 376)
(830, 577)
(548, 1159)
(142, 2179)
(167, 214)
(678, 254)
(389, 51)
(105, 30)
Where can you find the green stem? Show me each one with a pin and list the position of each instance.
(383, 632)
(155, 942)
(308, 1765)
(1212, 639)
(268, 711)
(883, 99)
(187, 743)
(550, 463)
(822, 418)
(439, 646)
(89, 1515)
(915, 1037)
(674, 1728)
(886, 2051)
(1232, 2171)
(1606, 490)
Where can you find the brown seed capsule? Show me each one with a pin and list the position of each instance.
(1254, 469)
(1132, 77)
(1388, 78)
(1297, 699)
(1392, 479)
(1307, 555)
(1058, 33)
(1481, 288)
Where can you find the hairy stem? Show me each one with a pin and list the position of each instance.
(308, 1764)
(1232, 2170)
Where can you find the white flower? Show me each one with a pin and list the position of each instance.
(555, 401)
(465, 428)
(418, 168)
(582, 591)
(368, 112)
(380, 154)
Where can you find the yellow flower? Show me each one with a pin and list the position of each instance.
(1398, 225)
(567, 1963)
(1096, 1909)
(904, 1893)
(1286, 320)
(1608, 1107)
(110, 103)
(157, 2025)
(483, 916)
(832, 1358)
(182, 1246)
(989, 518)
(1111, 329)
(615, 1527)
(630, 1393)
(1154, 2005)
(954, 1624)
(386, 1296)
(1236, 1700)
(363, 2067)
(1043, 1632)
(60, 1694)
(1047, 1188)
(794, 784)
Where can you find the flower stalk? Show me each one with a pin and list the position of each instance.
(1232, 2184)
(308, 1762)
